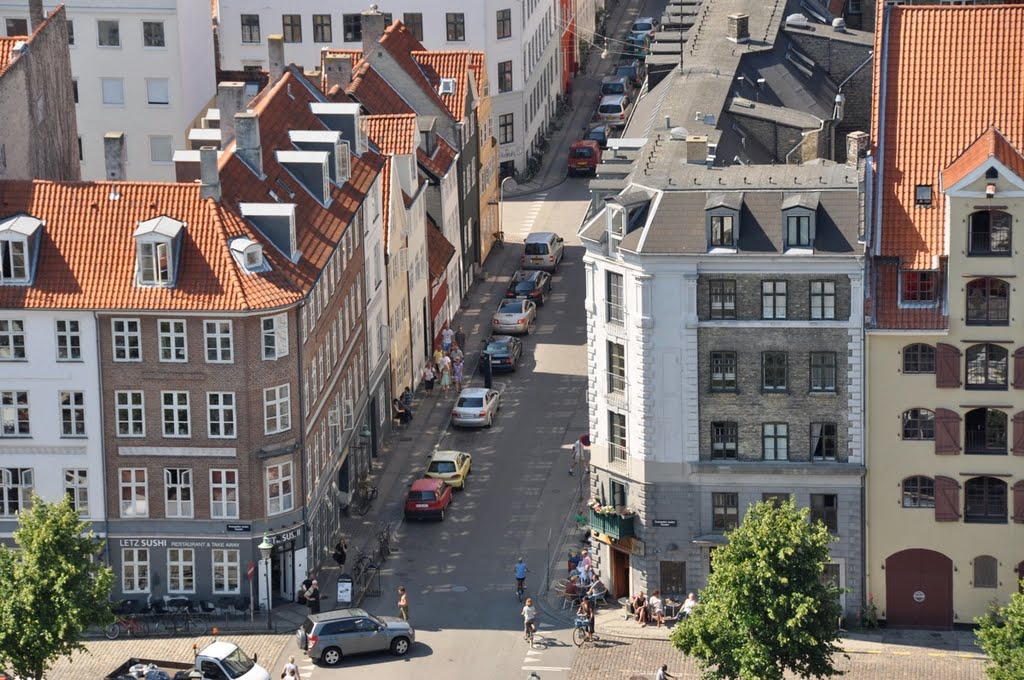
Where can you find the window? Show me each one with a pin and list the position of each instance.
(918, 492)
(224, 494)
(175, 414)
(220, 410)
(725, 511)
(322, 32)
(178, 492)
(76, 487)
(13, 258)
(109, 33)
(14, 414)
(277, 409)
(279, 488)
(455, 26)
(12, 339)
(158, 91)
(823, 299)
(985, 501)
(823, 371)
(134, 499)
(17, 27)
(773, 299)
(72, 413)
(352, 24)
(722, 295)
(250, 28)
(986, 367)
(161, 149)
(219, 345)
(414, 22)
(776, 499)
(615, 299)
(134, 570)
(986, 572)
(181, 576)
(990, 232)
(823, 441)
(506, 131)
(130, 418)
(798, 231)
(74, 89)
(275, 336)
(923, 195)
(775, 441)
(504, 76)
(291, 27)
(616, 368)
(722, 231)
(985, 431)
(617, 436)
(724, 436)
(173, 340)
(919, 288)
(69, 340)
(988, 302)
(225, 571)
(504, 23)
(153, 34)
(15, 490)
(774, 371)
(723, 371)
(825, 509)
(153, 263)
(71, 32)
(918, 358)
(113, 91)
(919, 424)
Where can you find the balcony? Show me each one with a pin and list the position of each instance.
(615, 526)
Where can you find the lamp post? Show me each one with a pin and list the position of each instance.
(501, 203)
(266, 547)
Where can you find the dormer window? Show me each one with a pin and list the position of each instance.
(722, 219)
(19, 239)
(919, 288)
(798, 231)
(447, 86)
(798, 220)
(249, 255)
(157, 244)
(721, 231)
(923, 195)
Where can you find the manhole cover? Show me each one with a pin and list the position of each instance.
(459, 589)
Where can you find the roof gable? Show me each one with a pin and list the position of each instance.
(992, 147)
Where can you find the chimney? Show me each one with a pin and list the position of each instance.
(229, 101)
(247, 140)
(275, 46)
(856, 147)
(739, 28)
(696, 149)
(209, 175)
(428, 134)
(373, 29)
(114, 156)
(337, 71)
(35, 15)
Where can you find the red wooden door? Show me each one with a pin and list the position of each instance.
(919, 589)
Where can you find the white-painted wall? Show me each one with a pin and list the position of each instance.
(376, 287)
(450, 228)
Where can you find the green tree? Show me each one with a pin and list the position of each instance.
(766, 609)
(1001, 635)
(52, 587)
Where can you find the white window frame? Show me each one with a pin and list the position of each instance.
(131, 339)
(278, 500)
(174, 410)
(69, 339)
(72, 412)
(15, 495)
(274, 337)
(14, 258)
(125, 412)
(172, 340)
(138, 504)
(76, 485)
(183, 507)
(153, 262)
(221, 411)
(135, 570)
(99, 32)
(823, 300)
(227, 506)
(224, 569)
(13, 340)
(279, 399)
(103, 91)
(163, 35)
(180, 561)
(221, 332)
(156, 83)
(12, 401)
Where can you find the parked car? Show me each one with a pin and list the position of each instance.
(505, 352)
(542, 250)
(451, 467)
(638, 45)
(530, 285)
(600, 133)
(427, 498)
(476, 407)
(615, 85)
(329, 636)
(614, 110)
(515, 316)
(584, 155)
(645, 25)
(632, 69)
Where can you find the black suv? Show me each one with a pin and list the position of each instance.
(530, 285)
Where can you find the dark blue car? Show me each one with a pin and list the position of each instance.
(505, 352)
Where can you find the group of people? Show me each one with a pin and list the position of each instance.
(448, 362)
(646, 610)
(401, 406)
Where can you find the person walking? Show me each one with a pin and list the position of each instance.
(457, 368)
(577, 455)
(445, 367)
(339, 553)
(456, 353)
(437, 357)
(447, 335)
(403, 603)
(290, 670)
(460, 337)
(663, 673)
(486, 370)
(313, 597)
(428, 378)
(307, 583)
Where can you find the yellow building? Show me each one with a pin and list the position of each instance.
(945, 344)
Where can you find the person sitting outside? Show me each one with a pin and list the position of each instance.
(400, 412)
(572, 589)
(657, 607)
(597, 590)
(689, 605)
(407, 398)
(639, 603)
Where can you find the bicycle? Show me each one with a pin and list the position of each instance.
(580, 633)
(131, 625)
(531, 629)
(520, 587)
(499, 239)
(184, 622)
(367, 494)
(363, 563)
(384, 541)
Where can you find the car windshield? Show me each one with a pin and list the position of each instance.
(642, 26)
(613, 88)
(511, 307)
(496, 347)
(536, 248)
(610, 108)
(470, 402)
(237, 663)
(421, 495)
(441, 466)
(597, 133)
(625, 71)
(525, 286)
(583, 152)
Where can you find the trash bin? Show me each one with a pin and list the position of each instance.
(344, 590)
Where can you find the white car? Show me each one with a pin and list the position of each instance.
(476, 407)
(514, 316)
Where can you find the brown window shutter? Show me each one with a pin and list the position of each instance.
(1018, 434)
(947, 365)
(947, 499)
(1018, 368)
(947, 432)
(1018, 503)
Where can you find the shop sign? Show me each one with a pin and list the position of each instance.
(143, 542)
(664, 522)
(193, 543)
(285, 536)
(634, 546)
(239, 527)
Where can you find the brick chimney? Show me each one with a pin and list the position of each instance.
(856, 147)
(114, 158)
(209, 174)
(337, 71)
(35, 15)
(696, 149)
(373, 25)
(229, 101)
(247, 140)
(275, 48)
(739, 28)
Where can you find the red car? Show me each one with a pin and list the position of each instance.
(427, 498)
(584, 155)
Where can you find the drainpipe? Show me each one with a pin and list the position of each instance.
(310, 564)
(103, 453)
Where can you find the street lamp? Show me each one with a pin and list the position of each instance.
(501, 203)
(266, 547)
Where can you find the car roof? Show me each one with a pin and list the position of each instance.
(643, 20)
(500, 339)
(527, 274)
(539, 236)
(508, 302)
(612, 79)
(425, 484)
(337, 614)
(474, 392)
(447, 455)
(612, 99)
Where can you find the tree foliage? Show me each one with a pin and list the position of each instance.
(1001, 635)
(52, 587)
(765, 609)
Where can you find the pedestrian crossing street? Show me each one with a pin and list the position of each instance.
(546, 653)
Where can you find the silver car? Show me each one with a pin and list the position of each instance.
(329, 636)
(514, 317)
(476, 407)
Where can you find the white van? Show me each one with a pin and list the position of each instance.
(543, 250)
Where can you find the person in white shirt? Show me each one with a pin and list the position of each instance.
(529, 617)
(657, 607)
(663, 673)
(446, 338)
(690, 604)
(290, 670)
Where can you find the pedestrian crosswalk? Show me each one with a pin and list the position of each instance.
(532, 212)
(538, 657)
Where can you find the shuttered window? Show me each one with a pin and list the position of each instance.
(947, 500)
(1018, 504)
(1018, 368)
(947, 431)
(986, 571)
(947, 366)
(1017, 448)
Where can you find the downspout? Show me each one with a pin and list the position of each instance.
(882, 92)
(310, 563)
(803, 136)
(103, 453)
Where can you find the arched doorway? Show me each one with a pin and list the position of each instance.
(919, 589)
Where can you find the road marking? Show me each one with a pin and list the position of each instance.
(544, 668)
(901, 653)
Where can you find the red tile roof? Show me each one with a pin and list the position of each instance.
(992, 144)
(457, 65)
(401, 44)
(439, 250)
(888, 313)
(393, 133)
(441, 162)
(7, 51)
(374, 93)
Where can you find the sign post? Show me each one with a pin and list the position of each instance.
(251, 573)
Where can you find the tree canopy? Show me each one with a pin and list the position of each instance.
(1001, 635)
(52, 588)
(766, 608)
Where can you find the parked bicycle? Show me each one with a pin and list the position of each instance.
(363, 563)
(367, 494)
(499, 239)
(130, 624)
(384, 541)
(183, 621)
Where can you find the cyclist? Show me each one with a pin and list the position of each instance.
(529, 619)
(520, 570)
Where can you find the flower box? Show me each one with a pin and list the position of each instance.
(614, 525)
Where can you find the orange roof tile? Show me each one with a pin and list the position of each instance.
(374, 93)
(439, 250)
(393, 133)
(992, 144)
(401, 44)
(454, 65)
(7, 51)
(950, 74)
(441, 162)
(887, 312)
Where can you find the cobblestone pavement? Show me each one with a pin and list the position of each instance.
(103, 656)
(622, 659)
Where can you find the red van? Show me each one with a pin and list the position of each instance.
(584, 156)
(427, 498)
